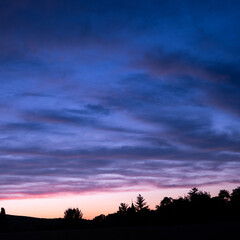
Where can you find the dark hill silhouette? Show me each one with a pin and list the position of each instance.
(22, 223)
(169, 232)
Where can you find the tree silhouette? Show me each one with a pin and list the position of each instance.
(235, 196)
(166, 201)
(131, 210)
(193, 192)
(73, 214)
(141, 204)
(122, 209)
(235, 203)
(2, 218)
(197, 196)
(224, 195)
(3, 213)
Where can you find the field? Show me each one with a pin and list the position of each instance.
(188, 231)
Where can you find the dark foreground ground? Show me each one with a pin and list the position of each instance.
(188, 231)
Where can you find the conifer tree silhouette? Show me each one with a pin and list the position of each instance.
(123, 208)
(140, 203)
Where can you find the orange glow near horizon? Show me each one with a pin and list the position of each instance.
(93, 204)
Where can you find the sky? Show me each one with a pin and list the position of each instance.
(102, 100)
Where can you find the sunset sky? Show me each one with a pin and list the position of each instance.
(102, 100)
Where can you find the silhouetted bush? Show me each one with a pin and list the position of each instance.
(3, 220)
(72, 217)
(3, 212)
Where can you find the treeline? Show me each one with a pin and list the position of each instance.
(196, 207)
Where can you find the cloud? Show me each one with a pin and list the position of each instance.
(40, 176)
(181, 140)
(90, 109)
(105, 96)
(27, 126)
(216, 81)
(57, 117)
(181, 63)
